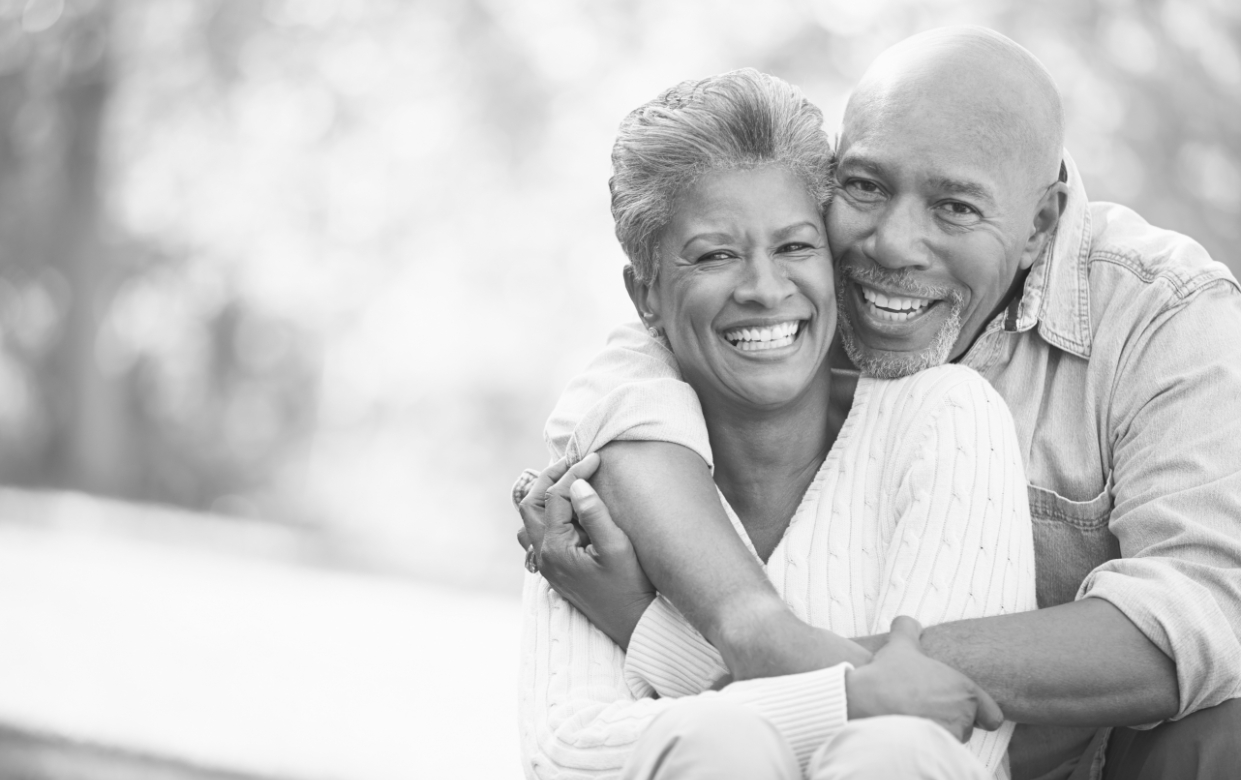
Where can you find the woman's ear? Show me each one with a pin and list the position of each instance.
(644, 298)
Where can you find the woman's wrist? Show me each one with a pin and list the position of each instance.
(627, 621)
(777, 643)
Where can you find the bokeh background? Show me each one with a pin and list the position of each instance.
(288, 287)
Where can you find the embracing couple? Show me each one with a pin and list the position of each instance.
(919, 465)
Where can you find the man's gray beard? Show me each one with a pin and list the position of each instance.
(888, 365)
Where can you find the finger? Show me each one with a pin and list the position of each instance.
(606, 536)
(989, 715)
(905, 629)
(561, 551)
(546, 478)
(558, 501)
(532, 508)
(586, 467)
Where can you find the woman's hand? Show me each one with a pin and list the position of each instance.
(901, 680)
(591, 562)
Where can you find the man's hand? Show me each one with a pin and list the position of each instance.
(901, 680)
(589, 562)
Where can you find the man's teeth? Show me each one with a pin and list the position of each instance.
(758, 339)
(893, 307)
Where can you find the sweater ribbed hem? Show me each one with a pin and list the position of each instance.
(807, 709)
(666, 654)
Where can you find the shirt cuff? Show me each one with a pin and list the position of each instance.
(1182, 618)
(667, 655)
(807, 709)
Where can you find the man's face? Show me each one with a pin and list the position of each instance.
(927, 230)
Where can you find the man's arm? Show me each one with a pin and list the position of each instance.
(1077, 664)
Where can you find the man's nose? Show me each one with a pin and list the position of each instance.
(899, 240)
(766, 282)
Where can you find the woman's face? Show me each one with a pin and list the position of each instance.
(744, 290)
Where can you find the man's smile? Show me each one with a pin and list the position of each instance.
(893, 307)
(890, 314)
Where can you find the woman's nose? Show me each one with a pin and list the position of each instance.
(898, 241)
(766, 282)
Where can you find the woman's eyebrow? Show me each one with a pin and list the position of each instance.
(789, 230)
(717, 238)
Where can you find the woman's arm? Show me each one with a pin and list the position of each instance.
(662, 496)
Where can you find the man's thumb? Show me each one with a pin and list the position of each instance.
(906, 628)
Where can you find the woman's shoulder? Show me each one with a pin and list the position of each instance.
(931, 390)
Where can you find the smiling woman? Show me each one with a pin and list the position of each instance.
(719, 192)
(744, 288)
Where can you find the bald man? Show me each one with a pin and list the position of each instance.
(962, 233)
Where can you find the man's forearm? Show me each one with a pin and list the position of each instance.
(1077, 664)
(663, 497)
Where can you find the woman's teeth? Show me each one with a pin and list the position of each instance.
(892, 307)
(758, 339)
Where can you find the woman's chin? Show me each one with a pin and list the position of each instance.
(770, 393)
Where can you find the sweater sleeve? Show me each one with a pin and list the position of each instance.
(631, 391)
(961, 543)
(579, 719)
(668, 656)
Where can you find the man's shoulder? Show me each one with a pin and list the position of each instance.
(1128, 256)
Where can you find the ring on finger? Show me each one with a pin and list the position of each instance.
(522, 486)
(532, 562)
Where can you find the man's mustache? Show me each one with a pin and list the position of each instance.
(899, 280)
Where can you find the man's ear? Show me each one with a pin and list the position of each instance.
(1046, 217)
(643, 296)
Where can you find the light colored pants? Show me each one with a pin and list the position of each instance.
(716, 739)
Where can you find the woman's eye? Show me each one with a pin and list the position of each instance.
(718, 255)
(795, 246)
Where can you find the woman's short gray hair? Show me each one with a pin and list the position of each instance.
(742, 119)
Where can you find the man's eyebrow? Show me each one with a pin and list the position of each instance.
(864, 163)
(959, 187)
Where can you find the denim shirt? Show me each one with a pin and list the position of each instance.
(1121, 365)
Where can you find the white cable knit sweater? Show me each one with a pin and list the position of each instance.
(919, 509)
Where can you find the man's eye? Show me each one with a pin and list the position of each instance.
(863, 189)
(959, 212)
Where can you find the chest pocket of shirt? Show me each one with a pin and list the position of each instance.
(1070, 539)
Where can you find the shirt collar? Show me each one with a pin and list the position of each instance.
(1056, 296)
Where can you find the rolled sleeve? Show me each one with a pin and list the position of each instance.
(1177, 495)
(631, 391)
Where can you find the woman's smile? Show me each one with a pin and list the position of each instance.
(764, 339)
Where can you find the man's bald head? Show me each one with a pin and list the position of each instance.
(991, 90)
(948, 189)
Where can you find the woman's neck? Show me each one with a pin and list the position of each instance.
(765, 459)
